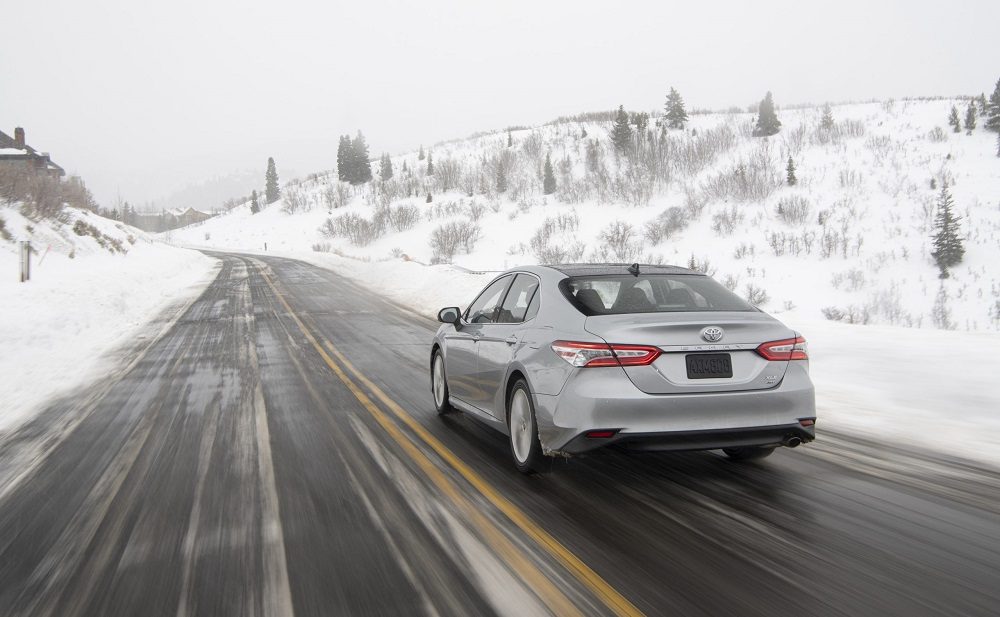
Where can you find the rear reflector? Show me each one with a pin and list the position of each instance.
(600, 434)
(786, 349)
(602, 354)
(807, 422)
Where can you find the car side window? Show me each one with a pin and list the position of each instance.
(515, 305)
(484, 309)
(532, 306)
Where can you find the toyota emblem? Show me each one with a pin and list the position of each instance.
(712, 334)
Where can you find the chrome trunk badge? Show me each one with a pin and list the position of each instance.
(712, 334)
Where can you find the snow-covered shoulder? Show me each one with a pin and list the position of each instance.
(95, 286)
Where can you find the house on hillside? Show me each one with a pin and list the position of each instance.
(17, 156)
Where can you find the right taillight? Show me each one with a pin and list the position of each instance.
(601, 354)
(785, 349)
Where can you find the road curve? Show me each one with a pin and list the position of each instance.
(275, 452)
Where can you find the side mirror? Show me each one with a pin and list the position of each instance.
(450, 315)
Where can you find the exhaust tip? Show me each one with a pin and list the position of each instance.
(791, 441)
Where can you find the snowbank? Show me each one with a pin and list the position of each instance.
(56, 328)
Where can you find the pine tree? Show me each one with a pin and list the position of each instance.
(970, 118)
(948, 249)
(271, 190)
(549, 180)
(953, 121)
(362, 167)
(675, 112)
(583, 132)
(998, 144)
(344, 159)
(385, 168)
(420, 156)
(792, 180)
(621, 133)
(767, 120)
(826, 123)
(254, 204)
(510, 139)
(430, 163)
(641, 121)
(993, 110)
(981, 101)
(501, 179)
(430, 198)
(404, 166)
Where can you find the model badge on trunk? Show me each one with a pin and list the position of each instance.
(712, 334)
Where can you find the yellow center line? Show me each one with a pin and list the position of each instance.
(547, 591)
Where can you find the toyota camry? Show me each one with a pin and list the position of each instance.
(570, 358)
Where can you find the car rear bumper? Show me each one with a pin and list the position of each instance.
(696, 440)
(599, 399)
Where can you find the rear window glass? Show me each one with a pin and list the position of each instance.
(652, 293)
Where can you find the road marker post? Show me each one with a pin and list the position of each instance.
(25, 246)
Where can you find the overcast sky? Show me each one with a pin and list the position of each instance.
(147, 97)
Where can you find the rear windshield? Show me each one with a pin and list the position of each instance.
(652, 293)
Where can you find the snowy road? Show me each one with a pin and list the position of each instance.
(277, 453)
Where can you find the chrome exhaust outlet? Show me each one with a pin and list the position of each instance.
(791, 441)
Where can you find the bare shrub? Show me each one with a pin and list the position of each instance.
(447, 173)
(755, 295)
(476, 211)
(322, 247)
(547, 251)
(356, 228)
(402, 217)
(666, 224)
(731, 281)
(793, 210)
(620, 240)
(751, 180)
(744, 250)
(852, 279)
(694, 202)
(294, 201)
(702, 265)
(449, 239)
(937, 135)
(851, 314)
(725, 221)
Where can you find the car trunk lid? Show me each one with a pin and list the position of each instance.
(680, 336)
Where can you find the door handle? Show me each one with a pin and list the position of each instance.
(511, 340)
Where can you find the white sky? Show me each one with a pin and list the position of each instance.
(149, 97)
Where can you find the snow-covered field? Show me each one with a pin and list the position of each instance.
(57, 329)
(855, 238)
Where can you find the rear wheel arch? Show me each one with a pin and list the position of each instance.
(515, 376)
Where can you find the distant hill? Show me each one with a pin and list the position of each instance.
(849, 241)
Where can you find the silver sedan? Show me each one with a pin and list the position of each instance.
(567, 359)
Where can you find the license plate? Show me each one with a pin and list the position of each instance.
(709, 366)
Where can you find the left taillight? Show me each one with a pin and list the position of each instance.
(601, 354)
(785, 349)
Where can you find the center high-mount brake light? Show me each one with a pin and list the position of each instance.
(601, 354)
(785, 349)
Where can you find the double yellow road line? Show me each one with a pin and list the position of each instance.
(547, 591)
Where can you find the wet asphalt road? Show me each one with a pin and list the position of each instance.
(237, 465)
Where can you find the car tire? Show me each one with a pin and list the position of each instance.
(439, 384)
(750, 453)
(525, 448)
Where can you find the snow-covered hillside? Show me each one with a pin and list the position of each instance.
(850, 241)
(95, 284)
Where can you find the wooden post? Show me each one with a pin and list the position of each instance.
(25, 260)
